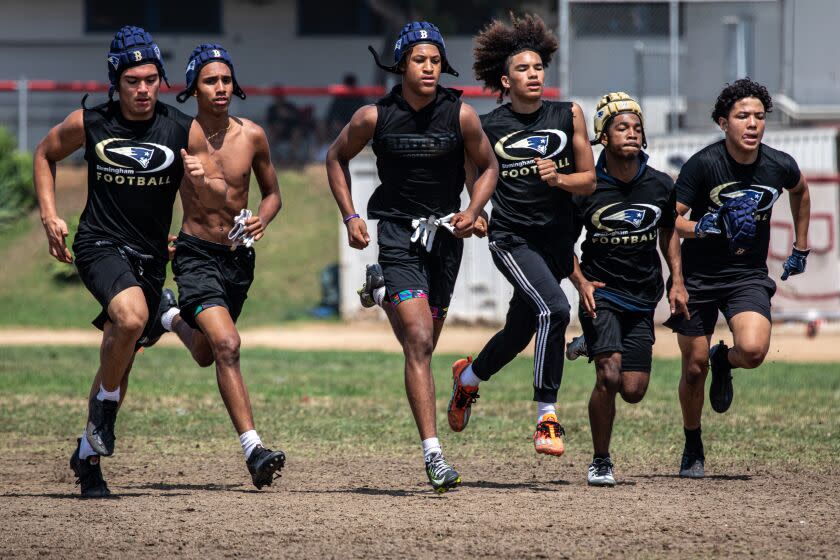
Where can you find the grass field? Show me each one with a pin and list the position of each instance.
(353, 486)
(298, 245)
(315, 402)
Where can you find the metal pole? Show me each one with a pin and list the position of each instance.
(639, 51)
(565, 42)
(23, 120)
(674, 13)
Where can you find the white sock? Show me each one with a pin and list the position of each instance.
(168, 315)
(379, 295)
(85, 450)
(469, 378)
(544, 408)
(105, 395)
(431, 446)
(249, 441)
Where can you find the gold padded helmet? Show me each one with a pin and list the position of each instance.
(611, 105)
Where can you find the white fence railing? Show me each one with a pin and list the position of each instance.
(482, 293)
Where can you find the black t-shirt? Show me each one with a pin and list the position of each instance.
(522, 202)
(622, 222)
(706, 181)
(134, 171)
(419, 157)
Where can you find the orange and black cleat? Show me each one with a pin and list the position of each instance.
(548, 438)
(462, 399)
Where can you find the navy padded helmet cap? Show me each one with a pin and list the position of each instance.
(204, 54)
(412, 34)
(132, 46)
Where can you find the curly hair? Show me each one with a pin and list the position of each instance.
(498, 42)
(734, 92)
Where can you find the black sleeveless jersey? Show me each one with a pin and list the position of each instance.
(523, 203)
(419, 157)
(707, 180)
(134, 171)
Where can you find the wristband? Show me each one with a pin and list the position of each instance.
(350, 217)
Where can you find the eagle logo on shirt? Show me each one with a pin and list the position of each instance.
(141, 155)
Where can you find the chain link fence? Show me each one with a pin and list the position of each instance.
(673, 56)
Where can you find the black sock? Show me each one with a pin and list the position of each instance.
(600, 456)
(693, 440)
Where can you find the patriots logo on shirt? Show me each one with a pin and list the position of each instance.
(763, 195)
(752, 193)
(141, 155)
(536, 143)
(633, 216)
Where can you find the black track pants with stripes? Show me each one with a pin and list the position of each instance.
(538, 306)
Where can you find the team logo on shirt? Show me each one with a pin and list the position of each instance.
(536, 143)
(763, 195)
(141, 155)
(134, 157)
(632, 216)
(623, 218)
(527, 144)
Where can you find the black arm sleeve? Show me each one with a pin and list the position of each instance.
(689, 181)
(793, 174)
(669, 213)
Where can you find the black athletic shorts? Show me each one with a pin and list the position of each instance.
(412, 272)
(617, 330)
(108, 266)
(211, 274)
(730, 301)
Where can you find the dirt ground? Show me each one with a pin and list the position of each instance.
(788, 344)
(204, 506)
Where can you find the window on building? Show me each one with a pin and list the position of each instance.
(356, 17)
(620, 19)
(155, 16)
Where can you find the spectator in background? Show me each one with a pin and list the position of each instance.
(343, 106)
(289, 138)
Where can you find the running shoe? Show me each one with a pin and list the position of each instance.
(102, 416)
(265, 465)
(373, 281)
(721, 391)
(167, 301)
(462, 399)
(548, 438)
(576, 348)
(441, 474)
(88, 474)
(601, 472)
(692, 464)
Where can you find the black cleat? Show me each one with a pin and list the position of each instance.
(720, 391)
(692, 464)
(102, 417)
(441, 475)
(373, 281)
(167, 302)
(264, 465)
(88, 475)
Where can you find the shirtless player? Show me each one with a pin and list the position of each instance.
(213, 269)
